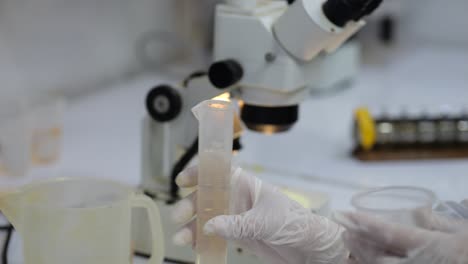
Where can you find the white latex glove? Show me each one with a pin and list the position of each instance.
(264, 220)
(371, 240)
(448, 215)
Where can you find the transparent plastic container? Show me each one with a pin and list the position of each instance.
(15, 136)
(79, 220)
(31, 131)
(405, 205)
(47, 123)
(215, 142)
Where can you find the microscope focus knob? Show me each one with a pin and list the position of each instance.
(223, 74)
(163, 103)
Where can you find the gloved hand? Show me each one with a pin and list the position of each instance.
(371, 240)
(448, 216)
(277, 229)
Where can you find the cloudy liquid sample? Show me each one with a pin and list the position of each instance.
(212, 200)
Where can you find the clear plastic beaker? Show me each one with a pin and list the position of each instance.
(410, 206)
(79, 220)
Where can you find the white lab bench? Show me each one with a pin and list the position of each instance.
(102, 132)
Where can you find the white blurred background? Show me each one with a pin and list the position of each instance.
(75, 46)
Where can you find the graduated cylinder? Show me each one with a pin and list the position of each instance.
(216, 120)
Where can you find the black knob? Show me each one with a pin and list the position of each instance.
(163, 103)
(387, 30)
(236, 144)
(225, 73)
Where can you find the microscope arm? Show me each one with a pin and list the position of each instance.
(170, 130)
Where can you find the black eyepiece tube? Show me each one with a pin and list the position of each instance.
(340, 12)
(372, 6)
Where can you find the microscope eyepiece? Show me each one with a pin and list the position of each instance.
(223, 74)
(340, 12)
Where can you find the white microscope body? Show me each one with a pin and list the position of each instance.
(267, 54)
(280, 48)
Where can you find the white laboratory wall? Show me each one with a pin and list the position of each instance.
(78, 45)
(439, 21)
(418, 23)
(429, 21)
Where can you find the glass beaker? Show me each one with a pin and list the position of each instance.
(410, 206)
(79, 220)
